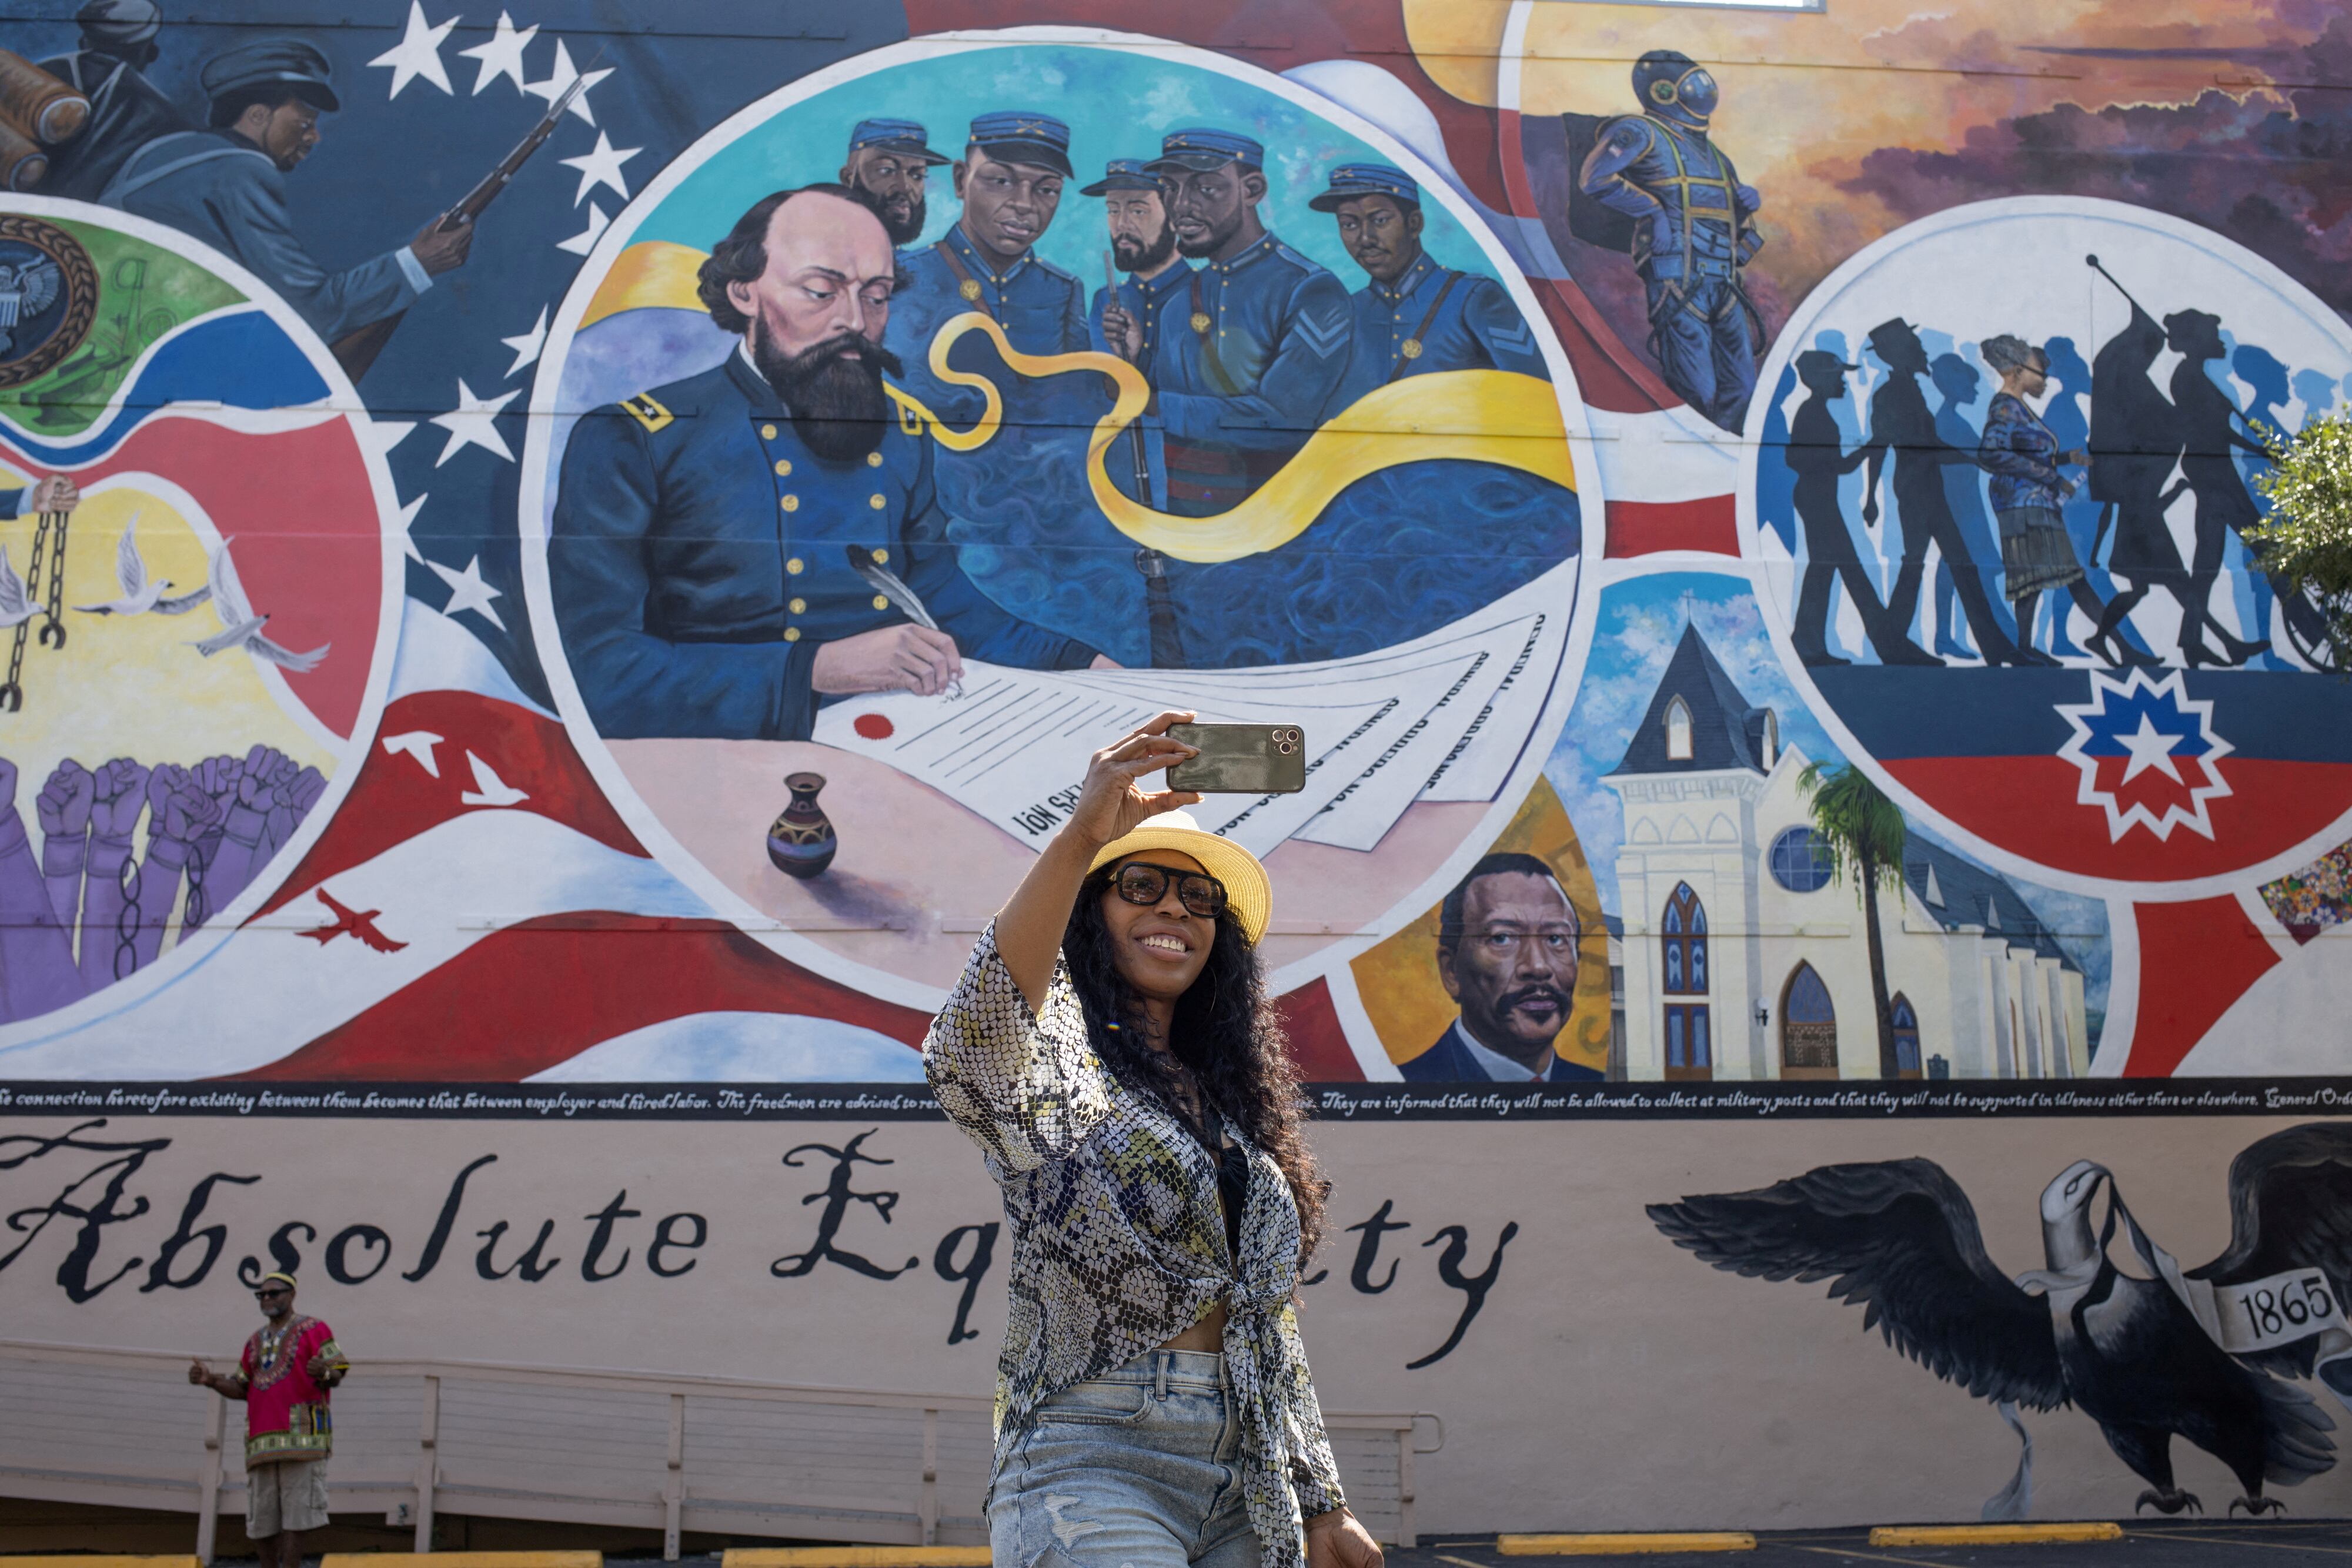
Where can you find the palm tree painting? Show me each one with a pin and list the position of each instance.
(1863, 833)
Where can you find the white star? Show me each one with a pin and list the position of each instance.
(387, 434)
(561, 76)
(584, 241)
(469, 591)
(407, 542)
(2150, 748)
(528, 346)
(502, 55)
(601, 167)
(474, 423)
(418, 53)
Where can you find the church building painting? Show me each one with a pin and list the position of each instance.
(1743, 949)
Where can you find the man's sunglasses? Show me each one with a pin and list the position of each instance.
(269, 1293)
(1140, 882)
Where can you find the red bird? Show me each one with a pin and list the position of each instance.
(357, 923)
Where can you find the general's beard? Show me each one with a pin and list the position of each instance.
(1132, 258)
(836, 403)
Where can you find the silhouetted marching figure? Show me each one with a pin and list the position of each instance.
(1816, 452)
(1900, 423)
(2136, 439)
(2207, 419)
(1958, 382)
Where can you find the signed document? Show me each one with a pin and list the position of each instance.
(1446, 716)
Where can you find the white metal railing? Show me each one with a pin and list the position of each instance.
(583, 1445)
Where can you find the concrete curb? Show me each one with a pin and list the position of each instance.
(1995, 1534)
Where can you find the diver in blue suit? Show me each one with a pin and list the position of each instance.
(1414, 316)
(730, 549)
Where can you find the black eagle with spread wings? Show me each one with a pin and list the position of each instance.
(1900, 1239)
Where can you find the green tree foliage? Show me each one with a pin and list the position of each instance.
(2307, 540)
(1864, 833)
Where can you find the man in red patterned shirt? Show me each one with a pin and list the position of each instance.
(289, 1365)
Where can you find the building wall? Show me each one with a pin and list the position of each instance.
(411, 747)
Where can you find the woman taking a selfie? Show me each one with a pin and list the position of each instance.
(1111, 1049)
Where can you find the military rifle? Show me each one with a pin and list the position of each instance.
(355, 350)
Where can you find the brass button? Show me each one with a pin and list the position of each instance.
(877, 503)
(797, 606)
(783, 467)
(880, 602)
(881, 557)
(793, 566)
(792, 633)
(874, 460)
(791, 503)
(767, 433)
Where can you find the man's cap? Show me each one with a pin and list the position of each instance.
(905, 136)
(277, 1274)
(1201, 148)
(272, 62)
(1022, 136)
(1123, 174)
(1887, 334)
(1350, 181)
(1814, 362)
(121, 21)
(1249, 897)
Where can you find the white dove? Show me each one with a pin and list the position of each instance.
(139, 595)
(244, 627)
(14, 608)
(489, 789)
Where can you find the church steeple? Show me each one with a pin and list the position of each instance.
(1698, 721)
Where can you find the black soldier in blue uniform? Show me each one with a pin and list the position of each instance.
(1693, 233)
(1414, 316)
(227, 186)
(1253, 348)
(888, 165)
(1127, 319)
(1143, 246)
(701, 552)
(1010, 182)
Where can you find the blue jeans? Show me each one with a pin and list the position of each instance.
(1140, 1467)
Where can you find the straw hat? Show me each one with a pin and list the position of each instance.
(1247, 895)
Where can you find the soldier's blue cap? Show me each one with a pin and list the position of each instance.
(1201, 148)
(1022, 136)
(905, 136)
(291, 63)
(1350, 181)
(1122, 175)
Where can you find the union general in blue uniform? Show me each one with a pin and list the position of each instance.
(1432, 318)
(699, 559)
(1250, 354)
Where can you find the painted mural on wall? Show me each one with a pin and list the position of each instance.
(1762, 570)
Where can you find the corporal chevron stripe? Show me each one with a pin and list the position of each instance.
(1323, 339)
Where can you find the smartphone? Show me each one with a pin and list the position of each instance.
(1241, 759)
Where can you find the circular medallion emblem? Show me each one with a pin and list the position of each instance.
(48, 296)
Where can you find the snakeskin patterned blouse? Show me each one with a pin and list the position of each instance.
(1118, 1243)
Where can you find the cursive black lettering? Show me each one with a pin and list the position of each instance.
(972, 1271)
(430, 1257)
(214, 1238)
(662, 1240)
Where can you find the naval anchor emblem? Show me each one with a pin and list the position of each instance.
(48, 297)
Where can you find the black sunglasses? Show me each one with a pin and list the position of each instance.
(1140, 882)
(266, 1293)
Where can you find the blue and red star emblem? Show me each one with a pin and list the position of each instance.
(2147, 754)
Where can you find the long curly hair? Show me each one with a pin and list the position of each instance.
(1227, 1032)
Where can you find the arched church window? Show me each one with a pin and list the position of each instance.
(1678, 731)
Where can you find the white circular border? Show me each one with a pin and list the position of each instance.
(1792, 336)
(343, 397)
(532, 503)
